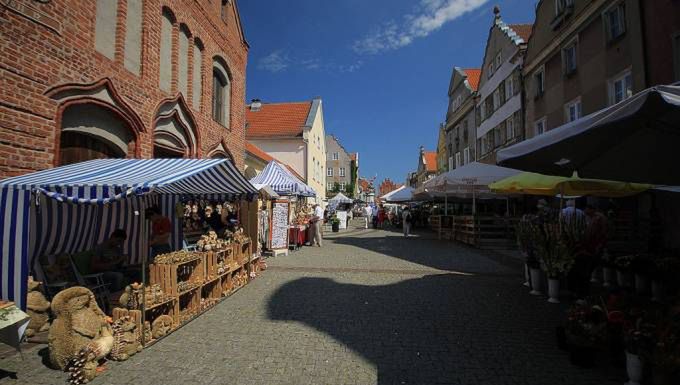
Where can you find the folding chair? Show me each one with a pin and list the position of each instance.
(94, 282)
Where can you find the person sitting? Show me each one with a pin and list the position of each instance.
(105, 259)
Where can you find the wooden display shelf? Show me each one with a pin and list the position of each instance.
(214, 257)
(154, 306)
(167, 274)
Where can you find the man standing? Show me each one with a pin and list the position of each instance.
(160, 232)
(406, 221)
(368, 212)
(317, 223)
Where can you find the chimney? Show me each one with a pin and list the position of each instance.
(497, 12)
(255, 105)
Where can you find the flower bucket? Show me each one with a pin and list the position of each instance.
(634, 369)
(535, 281)
(609, 276)
(623, 278)
(554, 290)
(595, 275)
(527, 277)
(641, 284)
(657, 290)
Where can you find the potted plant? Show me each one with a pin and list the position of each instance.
(639, 340)
(335, 224)
(524, 234)
(554, 256)
(623, 270)
(586, 332)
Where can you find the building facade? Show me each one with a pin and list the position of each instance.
(499, 107)
(294, 134)
(117, 79)
(586, 55)
(339, 165)
(461, 124)
(442, 151)
(387, 186)
(427, 168)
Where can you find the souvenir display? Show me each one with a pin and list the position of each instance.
(211, 241)
(161, 326)
(125, 339)
(132, 296)
(240, 236)
(179, 256)
(83, 367)
(37, 308)
(207, 303)
(154, 295)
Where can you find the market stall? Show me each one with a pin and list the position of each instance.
(55, 215)
(297, 213)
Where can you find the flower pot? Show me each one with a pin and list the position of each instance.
(595, 275)
(335, 227)
(657, 290)
(623, 278)
(641, 284)
(608, 276)
(554, 290)
(535, 281)
(634, 369)
(526, 276)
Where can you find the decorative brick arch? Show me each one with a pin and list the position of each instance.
(101, 93)
(220, 150)
(177, 111)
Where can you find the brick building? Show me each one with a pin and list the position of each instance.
(120, 78)
(387, 186)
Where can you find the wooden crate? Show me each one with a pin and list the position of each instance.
(213, 259)
(242, 254)
(188, 305)
(167, 275)
(226, 284)
(136, 315)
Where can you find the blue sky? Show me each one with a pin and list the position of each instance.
(382, 67)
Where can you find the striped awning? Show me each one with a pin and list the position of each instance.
(103, 180)
(282, 181)
(94, 192)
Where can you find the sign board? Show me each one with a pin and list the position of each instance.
(342, 216)
(279, 227)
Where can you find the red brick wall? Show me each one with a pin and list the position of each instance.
(387, 186)
(43, 46)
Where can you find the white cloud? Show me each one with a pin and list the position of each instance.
(429, 16)
(276, 61)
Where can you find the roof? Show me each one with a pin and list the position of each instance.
(277, 120)
(259, 153)
(522, 30)
(104, 180)
(473, 75)
(431, 160)
(282, 181)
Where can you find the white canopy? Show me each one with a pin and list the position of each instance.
(267, 191)
(340, 198)
(475, 175)
(402, 194)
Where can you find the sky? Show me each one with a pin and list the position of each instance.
(381, 67)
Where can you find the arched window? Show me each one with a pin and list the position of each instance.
(175, 134)
(221, 97)
(196, 81)
(105, 27)
(183, 61)
(133, 36)
(165, 81)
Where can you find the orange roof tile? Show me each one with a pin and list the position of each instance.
(259, 153)
(473, 75)
(522, 30)
(431, 160)
(277, 120)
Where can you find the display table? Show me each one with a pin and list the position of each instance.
(13, 324)
(297, 235)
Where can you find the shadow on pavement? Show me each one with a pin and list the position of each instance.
(433, 330)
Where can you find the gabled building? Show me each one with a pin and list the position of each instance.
(293, 133)
(461, 124)
(585, 55)
(366, 190)
(387, 186)
(499, 107)
(427, 168)
(341, 168)
(256, 160)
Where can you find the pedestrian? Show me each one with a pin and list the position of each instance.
(317, 222)
(406, 221)
(367, 215)
(571, 212)
(160, 232)
(381, 216)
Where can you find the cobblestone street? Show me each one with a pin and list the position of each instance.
(370, 307)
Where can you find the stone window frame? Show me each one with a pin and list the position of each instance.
(539, 91)
(576, 102)
(620, 8)
(329, 171)
(221, 71)
(611, 85)
(572, 43)
(543, 122)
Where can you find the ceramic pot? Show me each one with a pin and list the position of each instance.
(634, 369)
(609, 276)
(526, 276)
(535, 281)
(657, 290)
(641, 284)
(554, 290)
(623, 278)
(595, 275)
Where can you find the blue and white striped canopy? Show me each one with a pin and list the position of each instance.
(93, 193)
(104, 180)
(282, 181)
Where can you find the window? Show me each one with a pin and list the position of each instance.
(458, 164)
(465, 130)
(466, 155)
(561, 5)
(342, 186)
(165, 80)
(489, 72)
(342, 171)
(105, 27)
(336, 156)
(183, 61)
(133, 36)
(221, 94)
(620, 88)
(329, 186)
(539, 126)
(451, 163)
(499, 60)
(509, 88)
(329, 171)
(196, 76)
(572, 110)
(458, 101)
(496, 99)
(569, 59)
(539, 83)
(615, 22)
(509, 129)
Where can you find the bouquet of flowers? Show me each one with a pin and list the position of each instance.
(586, 325)
(553, 252)
(573, 233)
